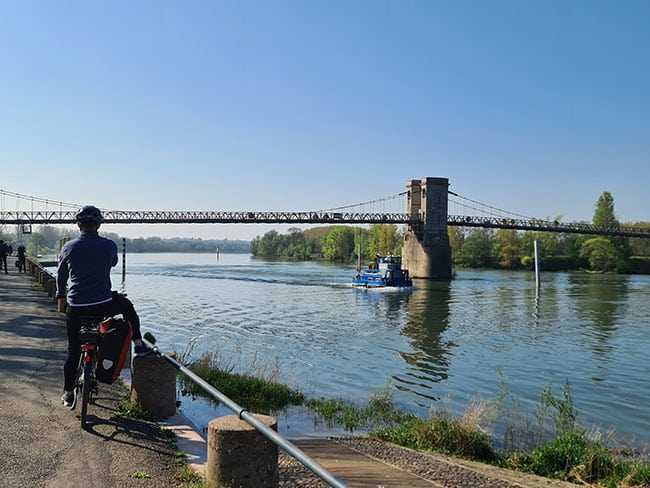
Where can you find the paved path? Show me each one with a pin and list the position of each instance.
(41, 442)
(42, 445)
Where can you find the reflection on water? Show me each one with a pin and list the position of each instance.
(427, 319)
(600, 302)
(438, 341)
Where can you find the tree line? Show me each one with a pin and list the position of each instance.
(47, 239)
(335, 244)
(473, 247)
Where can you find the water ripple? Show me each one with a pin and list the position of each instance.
(437, 342)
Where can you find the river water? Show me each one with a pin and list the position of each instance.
(437, 346)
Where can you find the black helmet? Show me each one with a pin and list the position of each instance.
(90, 212)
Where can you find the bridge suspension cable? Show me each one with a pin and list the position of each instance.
(369, 202)
(32, 199)
(484, 208)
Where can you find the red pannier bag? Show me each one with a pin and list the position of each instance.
(113, 349)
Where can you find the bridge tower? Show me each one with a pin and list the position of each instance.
(426, 252)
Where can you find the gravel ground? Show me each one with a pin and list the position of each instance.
(440, 470)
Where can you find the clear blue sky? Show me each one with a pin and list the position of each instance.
(535, 107)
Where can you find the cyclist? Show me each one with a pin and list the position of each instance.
(84, 271)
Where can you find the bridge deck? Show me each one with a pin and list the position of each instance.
(323, 218)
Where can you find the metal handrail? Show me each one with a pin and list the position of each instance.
(262, 428)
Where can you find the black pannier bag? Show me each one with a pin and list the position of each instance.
(113, 348)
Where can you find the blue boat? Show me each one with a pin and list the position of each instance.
(385, 272)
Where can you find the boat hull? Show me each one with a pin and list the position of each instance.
(385, 272)
(375, 280)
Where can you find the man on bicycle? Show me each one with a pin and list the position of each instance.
(83, 279)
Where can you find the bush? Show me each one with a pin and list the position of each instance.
(443, 435)
(571, 457)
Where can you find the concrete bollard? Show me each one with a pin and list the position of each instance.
(153, 385)
(240, 456)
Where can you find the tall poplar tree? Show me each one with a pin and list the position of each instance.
(603, 253)
(604, 212)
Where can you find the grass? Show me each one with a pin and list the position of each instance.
(140, 475)
(262, 394)
(379, 412)
(127, 408)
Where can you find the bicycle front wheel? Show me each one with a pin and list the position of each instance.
(86, 387)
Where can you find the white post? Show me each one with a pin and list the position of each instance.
(536, 264)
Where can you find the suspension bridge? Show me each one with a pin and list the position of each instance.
(422, 208)
(476, 214)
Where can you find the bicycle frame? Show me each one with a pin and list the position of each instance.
(86, 382)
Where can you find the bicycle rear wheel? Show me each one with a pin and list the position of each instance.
(86, 388)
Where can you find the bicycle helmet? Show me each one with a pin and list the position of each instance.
(90, 212)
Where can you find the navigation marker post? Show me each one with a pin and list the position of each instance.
(536, 264)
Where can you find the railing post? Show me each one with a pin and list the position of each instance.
(261, 427)
(239, 455)
(153, 385)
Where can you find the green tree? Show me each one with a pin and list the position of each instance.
(361, 241)
(477, 250)
(606, 254)
(296, 246)
(338, 244)
(37, 244)
(638, 245)
(384, 239)
(604, 211)
(508, 248)
(456, 238)
(268, 245)
(603, 255)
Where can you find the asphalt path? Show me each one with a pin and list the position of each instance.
(41, 442)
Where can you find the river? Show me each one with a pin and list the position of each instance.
(437, 346)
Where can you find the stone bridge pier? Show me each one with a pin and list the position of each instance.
(426, 252)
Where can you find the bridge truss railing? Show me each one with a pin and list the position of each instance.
(547, 226)
(321, 217)
(206, 217)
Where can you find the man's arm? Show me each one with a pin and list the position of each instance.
(113, 254)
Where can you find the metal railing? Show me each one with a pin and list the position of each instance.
(262, 428)
(547, 226)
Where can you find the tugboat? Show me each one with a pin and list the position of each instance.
(385, 272)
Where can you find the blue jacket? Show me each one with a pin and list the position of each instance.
(85, 268)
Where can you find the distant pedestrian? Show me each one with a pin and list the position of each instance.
(21, 258)
(4, 251)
